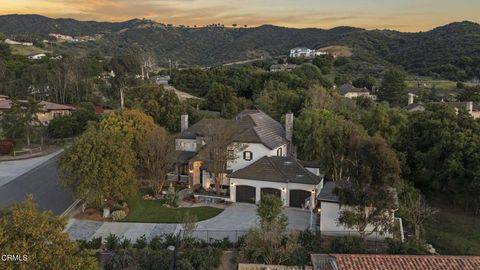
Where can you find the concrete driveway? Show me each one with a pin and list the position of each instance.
(232, 223)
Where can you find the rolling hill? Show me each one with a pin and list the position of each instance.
(451, 51)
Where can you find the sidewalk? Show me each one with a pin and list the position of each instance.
(10, 170)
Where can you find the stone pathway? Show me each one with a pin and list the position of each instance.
(233, 222)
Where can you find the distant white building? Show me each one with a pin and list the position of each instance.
(37, 56)
(13, 42)
(62, 38)
(306, 52)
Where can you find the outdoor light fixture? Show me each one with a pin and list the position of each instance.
(232, 184)
(313, 190)
(284, 189)
(191, 171)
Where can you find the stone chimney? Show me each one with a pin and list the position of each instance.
(289, 126)
(183, 122)
(469, 106)
(411, 98)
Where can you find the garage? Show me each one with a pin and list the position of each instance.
(272, 191)
(298, 197)
(245, 194)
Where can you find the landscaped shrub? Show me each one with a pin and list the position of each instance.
(410, 247)
(126, 243)
(157, 243)
(141, 243)
(94, 243)
(347, 244)
(118, 215)
(6, 147)
(206, 259)
(62, 127)
(311, 241)
(171, 199)
(112, 242)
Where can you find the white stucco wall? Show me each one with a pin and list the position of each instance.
(329, 215)
(258, 150)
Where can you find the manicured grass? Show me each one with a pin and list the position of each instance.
(153, 211)
(454, 233)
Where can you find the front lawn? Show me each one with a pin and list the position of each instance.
(454, 233)
(153, 211)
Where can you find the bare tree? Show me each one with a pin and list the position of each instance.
(414, 208)
(220, 147)
(147, 64)
(156, 158)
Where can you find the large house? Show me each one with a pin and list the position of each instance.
(471, 108)
(303, 52)
(350, 91)
(263, 165)
(48, 110)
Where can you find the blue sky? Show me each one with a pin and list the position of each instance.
(405, 15)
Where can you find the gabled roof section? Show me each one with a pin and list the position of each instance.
(327, 194)
(45, 106)
(277, 169)
(254, 126)
(259, 127)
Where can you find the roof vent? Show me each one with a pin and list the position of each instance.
(300, 175)
(288, 163)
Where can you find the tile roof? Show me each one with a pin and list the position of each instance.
(405, 262)
(254, 126)
(277, 169)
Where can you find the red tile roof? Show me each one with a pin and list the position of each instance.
(405, 262)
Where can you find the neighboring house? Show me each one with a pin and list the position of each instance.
(393, 262)
(420, 106)
(283, 67)
(47, 112)
(330, 207)
(161, 80)
(265, 145)
(37, 56)
(62, 38)
(13, 42)
(303, 52)
(350, 91)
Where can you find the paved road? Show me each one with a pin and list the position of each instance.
(42, 183)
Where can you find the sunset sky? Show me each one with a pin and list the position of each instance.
(403, 15)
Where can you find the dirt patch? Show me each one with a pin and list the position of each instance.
(229, 260)
(337, 51)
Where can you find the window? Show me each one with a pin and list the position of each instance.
(247, 155)
(280, 152)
